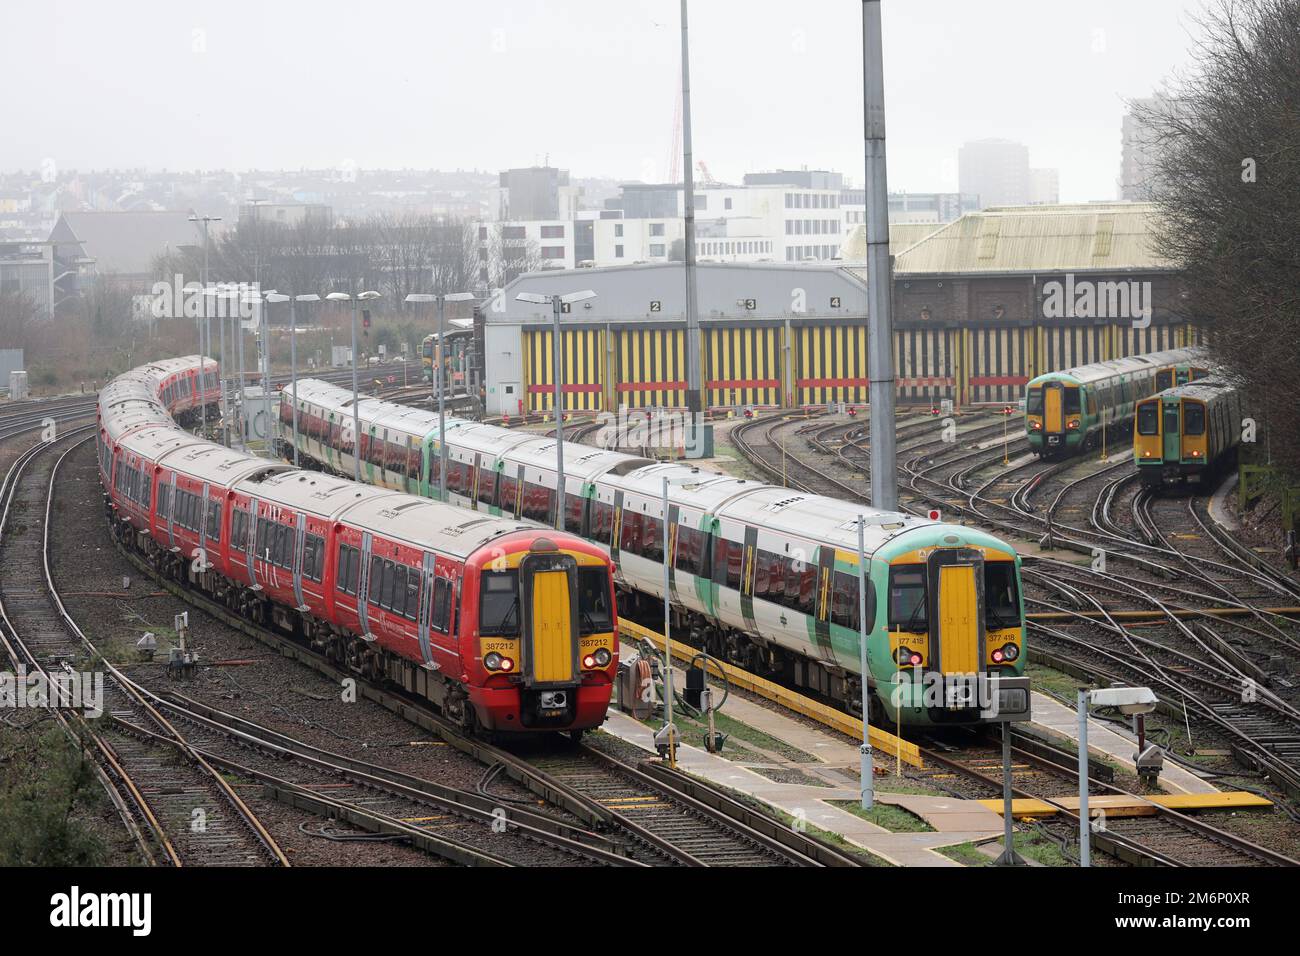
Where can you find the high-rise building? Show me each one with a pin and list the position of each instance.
(1140, 146)
(996, 170)
(535, 193)
(1044, 186)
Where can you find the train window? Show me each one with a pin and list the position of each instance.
(762, 573)
(262, 544)
(690, 550)
(395, 458)
(313, 551)
(282, 549)
(602, 522)
(594, 612)
(538, 502)
(375, 585)
(652, 538)
(214, 521)
(499, 604)
(239, 530)
(1193, 419)
(1171, 419)
(164, 501)
(348, 563)
(413, 461)
(845, 601)
(631, 534)
(1148, 418)
(1001, 598)
(1072, 406)
(802, 584)
(487, 487)
(146, 497)
(1034, 401)
(573, 506)
(412, 610)
(440, 606)
(1164, 379)
(508, 494)
(393, 596)
(908, 609)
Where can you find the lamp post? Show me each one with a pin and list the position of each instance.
(669, 729)
(1131, 701)
(864, 631)
(293, 301)
(441, 300)
(558, 304)
(356, 411)
(203, 367)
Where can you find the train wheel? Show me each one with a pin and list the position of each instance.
(572, 738)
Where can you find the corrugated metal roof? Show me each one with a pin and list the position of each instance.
(1062, 238)
(902, 235)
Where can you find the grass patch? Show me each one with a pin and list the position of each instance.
(967, 854)
(886, 815)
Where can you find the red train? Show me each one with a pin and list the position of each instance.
(507, 627)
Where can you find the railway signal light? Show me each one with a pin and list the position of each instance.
(934, 514)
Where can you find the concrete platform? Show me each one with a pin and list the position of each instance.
(1052, 718)
(809, 803)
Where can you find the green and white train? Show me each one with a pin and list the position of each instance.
(761, 576)
(1076, 409)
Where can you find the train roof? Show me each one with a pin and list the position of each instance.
(156, 443)
(581, 462)
(418, 521)
(323, 495)
(225, 467)
(1100, 371)
(1204, 389)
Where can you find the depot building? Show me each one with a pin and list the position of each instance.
(981, 305)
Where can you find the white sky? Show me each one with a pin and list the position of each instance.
(488, 84)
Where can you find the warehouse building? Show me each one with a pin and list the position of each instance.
(981, 305)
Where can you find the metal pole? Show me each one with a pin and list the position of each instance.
(880, 329)
(266, 374)
(356, 412)
(203, 354)
(1085, 848)
(864, 631)
(557, 359)
(694, 396)
(239, 324)
(221, 379)
(1008, 857)
(668, 644)
(442, 406)
(293, 369)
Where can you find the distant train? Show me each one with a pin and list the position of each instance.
(762, 576)
(1187, 432)
(505, 626)
(1066, 411)
(459, 349)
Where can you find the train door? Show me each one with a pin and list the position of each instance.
(1053, 412)
(299, 537)
(1170, 427)
(957, 611)
(547, 595)
(426, 599)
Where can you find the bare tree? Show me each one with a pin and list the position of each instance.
(1228, 181)
(506, 255)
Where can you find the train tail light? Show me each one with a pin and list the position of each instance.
(998, 657)
(498, 662)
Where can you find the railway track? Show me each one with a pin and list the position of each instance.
(183, 811)
(639, 840)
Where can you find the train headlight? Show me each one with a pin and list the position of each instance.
(906, 657)
(602, 657)
(1009, 652)
(1073, 424)
(1036, 426)
(498, 662)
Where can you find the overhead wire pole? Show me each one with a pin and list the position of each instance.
(694, 396)
(880, 278)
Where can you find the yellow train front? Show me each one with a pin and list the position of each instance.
(1187, 432)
